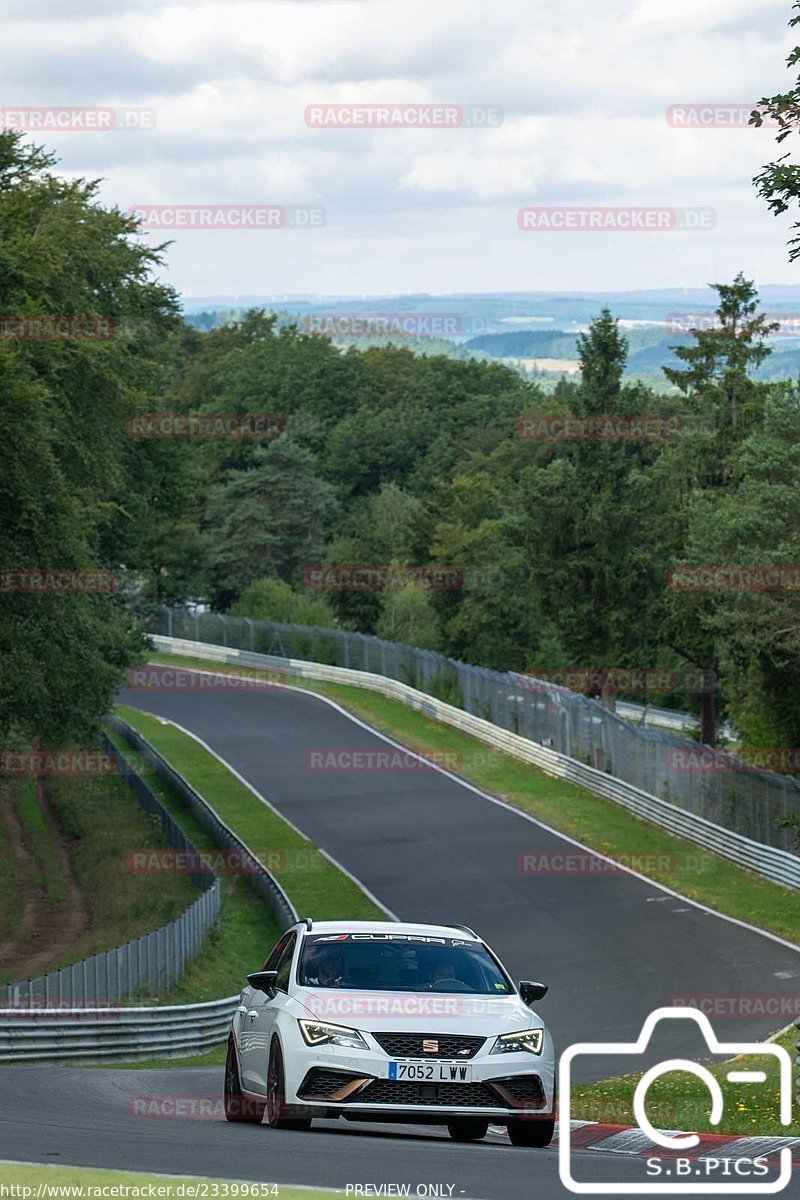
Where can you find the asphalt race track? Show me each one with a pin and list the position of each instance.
(611, 946)
(74, 1115)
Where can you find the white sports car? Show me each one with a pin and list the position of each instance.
(385, 1021)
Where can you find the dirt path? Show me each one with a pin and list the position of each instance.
(45, 932)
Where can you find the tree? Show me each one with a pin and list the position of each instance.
(608, 583)
(64, 401)
(268, 521)
(756, 523)
(603, 354)
(720, 394)
(723, 404)
(779, 182)
(276, 600)
(408, 616)
(383, 528)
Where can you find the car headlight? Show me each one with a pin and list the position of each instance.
(531, 1040)
(320, 1033)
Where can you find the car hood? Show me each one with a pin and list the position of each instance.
(415, 1012)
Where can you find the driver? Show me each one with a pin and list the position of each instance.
(444, 969)
(327, 969)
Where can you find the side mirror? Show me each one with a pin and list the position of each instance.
(531, 992)
(263, 981)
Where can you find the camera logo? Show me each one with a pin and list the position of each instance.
(736, 1176)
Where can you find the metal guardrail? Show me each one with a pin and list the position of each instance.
(771, 862)
(667, 718)
(88, 1034)
(756, 803)
(155, 961)
(43, 1023)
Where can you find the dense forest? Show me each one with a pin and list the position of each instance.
(566, 550)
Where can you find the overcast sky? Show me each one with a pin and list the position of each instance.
(584, 86)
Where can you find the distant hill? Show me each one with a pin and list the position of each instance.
(526, 343)
(521, 325)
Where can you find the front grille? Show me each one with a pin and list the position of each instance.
(448, 1095)
(321, 1084)
(409, 1045)
(526, 1091)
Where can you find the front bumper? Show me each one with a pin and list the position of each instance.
(356, 1083)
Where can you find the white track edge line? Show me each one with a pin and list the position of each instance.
(705, 908)
(278, 813)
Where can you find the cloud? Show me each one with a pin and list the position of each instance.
(584, 87)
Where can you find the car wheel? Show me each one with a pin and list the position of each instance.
(536, 1131)
(237, 1106)
(276, 1094)
(467, 1129)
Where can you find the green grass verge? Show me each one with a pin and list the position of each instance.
(681, 1101)
(10, 903)
(601, 824)
(48, 873)
(316, 887)
(103, 822)
(246, 931)
(22, 1176)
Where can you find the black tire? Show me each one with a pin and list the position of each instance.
(276, 1094)
(237, 1106)
(467, 1129)
(536, 1131)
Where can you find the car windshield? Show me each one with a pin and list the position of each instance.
(400, 963)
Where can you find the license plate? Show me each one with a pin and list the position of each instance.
(428, 1072)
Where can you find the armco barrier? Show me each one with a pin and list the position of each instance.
(774, 864)
(655, 757)
(39, 1024)
(88, 1034)
(155, 961)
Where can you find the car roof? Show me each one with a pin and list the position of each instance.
(392, 927)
